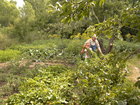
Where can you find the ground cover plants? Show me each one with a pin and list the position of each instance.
(11, 76)
(9, 54)
(86, 84)
(16, 62)
(50, 49)
(77, 84)
(40, 59)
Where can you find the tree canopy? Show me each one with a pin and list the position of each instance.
(70, 17)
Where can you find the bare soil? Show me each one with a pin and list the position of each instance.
(134, 73)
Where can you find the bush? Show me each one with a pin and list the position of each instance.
(5, 37)
(123, 46)
(74, 47)
(5, 41)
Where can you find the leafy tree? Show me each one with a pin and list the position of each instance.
(8, 12)
(41, 13)
(130, 19)
(24, 24)
(76, 10)
(48, 19)
(122, 13)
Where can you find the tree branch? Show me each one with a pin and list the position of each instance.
(95, 15)
(110, 46)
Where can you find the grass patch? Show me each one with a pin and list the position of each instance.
(7, 55)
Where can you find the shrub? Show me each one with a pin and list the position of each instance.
(123, 46)
(74, 48)
(5, 41)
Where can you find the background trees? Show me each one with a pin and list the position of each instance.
(38, 19)
(8, 13)
(55, 31)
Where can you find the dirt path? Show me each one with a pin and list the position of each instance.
(2, 65)
(33, 64)
(134, 72)
(47, 63)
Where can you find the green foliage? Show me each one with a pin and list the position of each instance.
(44, 94)
(8, 13)
(39, 19)
(10, 86)
(123, 46)
(122, 14)
(23, 28)
(107, 29)
(130, 18)
(11, 76)
(65, 30)
(46, 53)
(38, 52)
(51, 49)
(7, 55)
(5, 41)
(76, 10)
(100, 82)
(73, 48)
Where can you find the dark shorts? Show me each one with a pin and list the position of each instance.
(93, 47)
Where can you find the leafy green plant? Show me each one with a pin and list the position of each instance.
(11, 77)
(99, 82)
(43, 88)
(74, 47)
(123, 46)
(51, 49)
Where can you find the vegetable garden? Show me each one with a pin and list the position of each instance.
(40, 60)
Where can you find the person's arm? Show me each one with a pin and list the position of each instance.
(85, 46)
(98, 46)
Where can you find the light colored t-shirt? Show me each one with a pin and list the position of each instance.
(93, 43)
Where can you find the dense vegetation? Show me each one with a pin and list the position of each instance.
(40, 61)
